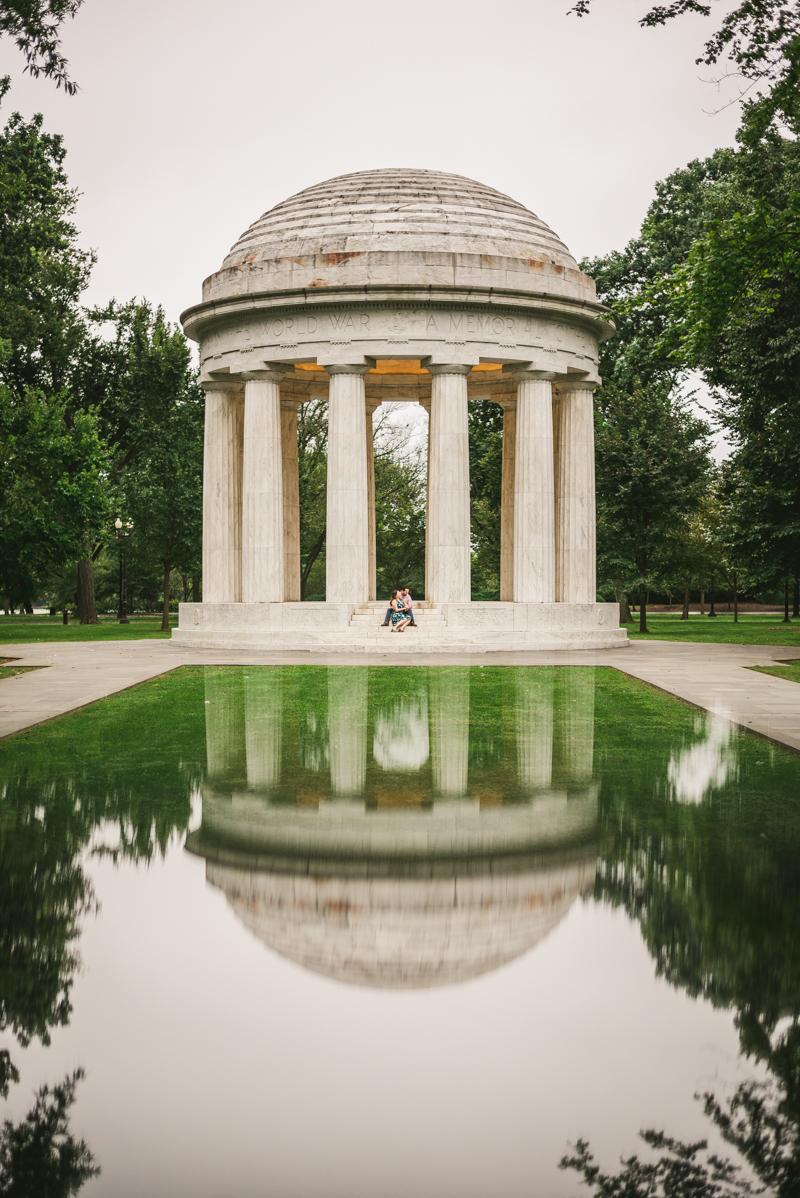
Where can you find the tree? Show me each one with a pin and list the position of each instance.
(760, 39)
(151, 411)
(51, 482)
(312, 464)
(652, 469)
(35, 26)
(485, 432)
(42, 271)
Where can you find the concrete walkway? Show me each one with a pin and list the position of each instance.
(713, 677)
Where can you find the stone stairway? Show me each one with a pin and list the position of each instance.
(367, 620)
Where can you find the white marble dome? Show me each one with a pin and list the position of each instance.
(398, 226)
(399, 209)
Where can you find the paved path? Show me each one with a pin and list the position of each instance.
(713, 677)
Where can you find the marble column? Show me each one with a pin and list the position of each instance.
(347, 729)
(262, 489)
(576, 563)
(534, 531)
(291, 503)
(449, 708)
(370, 408)
(507, 501)
(347, 539)
(222, 495)
(448, 528)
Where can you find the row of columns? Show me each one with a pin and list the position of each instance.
(250, 467)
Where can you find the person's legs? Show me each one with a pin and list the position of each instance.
(387, 619)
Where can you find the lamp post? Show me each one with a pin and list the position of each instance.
(123, 533)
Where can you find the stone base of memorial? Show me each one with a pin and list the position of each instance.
(445, 628)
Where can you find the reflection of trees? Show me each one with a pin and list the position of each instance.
(715, 888)
(39, 1158)
(121, 766)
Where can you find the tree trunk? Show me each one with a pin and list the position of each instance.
(685, 612)
(165, 609)
(625, 616)
(312, 557)
(642, 610)
(195, 589)
(735, 599)
(86, 608)
(702, 595)
(28, 607)
(796, 598)
(786, 619)
(711, 611)
(185, 586)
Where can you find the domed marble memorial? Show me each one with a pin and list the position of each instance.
(422, 287)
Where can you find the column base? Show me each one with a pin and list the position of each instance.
(353, 628)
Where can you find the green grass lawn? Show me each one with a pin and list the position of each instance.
(753, 628)
(8, 671)
(790, 671)
(20, 630)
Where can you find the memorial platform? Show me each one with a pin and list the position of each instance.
(446, 627)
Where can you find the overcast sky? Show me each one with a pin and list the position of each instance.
(194, 118)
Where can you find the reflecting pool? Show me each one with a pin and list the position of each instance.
(352, 930)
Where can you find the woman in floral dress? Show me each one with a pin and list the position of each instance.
(400, 617)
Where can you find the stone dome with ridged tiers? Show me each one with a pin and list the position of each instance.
(400, 210)
(398, 226)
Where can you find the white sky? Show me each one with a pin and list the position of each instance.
(194, 118)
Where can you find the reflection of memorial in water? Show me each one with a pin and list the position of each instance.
(399, 828)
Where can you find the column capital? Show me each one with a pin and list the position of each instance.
(345, 369)
(448, 368)
(577, 385)
(270, 374)
(229, 385)
(524, 372)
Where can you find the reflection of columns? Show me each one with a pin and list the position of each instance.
(225, 725)
(347, 729)
(263, 707)
(575, 495)
(449, 708)
(534, 532)
(291, 504)
(347, 548)
(262, 489)
(371, 500)
(448, 530)
(222, 496)
(507, 502)
(574, 731)
(534, 695)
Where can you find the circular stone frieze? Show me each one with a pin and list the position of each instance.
(406, 266)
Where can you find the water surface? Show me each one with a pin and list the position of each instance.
(347, 931)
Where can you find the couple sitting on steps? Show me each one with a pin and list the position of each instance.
(400, 613)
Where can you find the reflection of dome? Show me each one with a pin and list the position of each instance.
(403, 933)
